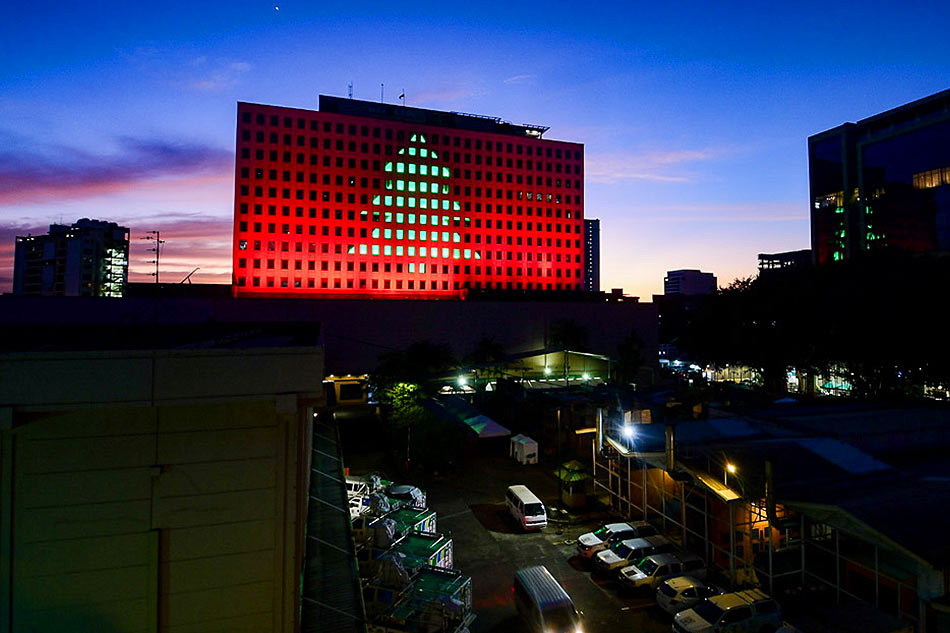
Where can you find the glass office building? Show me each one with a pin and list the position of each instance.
(882, 183)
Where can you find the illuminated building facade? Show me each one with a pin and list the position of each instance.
(363, 199)
(882, 183)
(88, 259)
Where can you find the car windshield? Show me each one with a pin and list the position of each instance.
(708, 611)
(667, 590)
(533, 509)
(648, 566)
(561, 620)
(622, 550)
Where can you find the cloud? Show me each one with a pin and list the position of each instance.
(225, 75)
(519, 79)
(66, 173)
(442, 97)
(772, 211)
(654, 165)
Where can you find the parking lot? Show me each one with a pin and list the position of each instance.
(489, 547)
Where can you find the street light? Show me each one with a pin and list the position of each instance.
(730, 469)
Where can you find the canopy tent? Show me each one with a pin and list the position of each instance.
(455, 408)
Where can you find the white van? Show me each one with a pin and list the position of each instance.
(526, 508)
(543, 604)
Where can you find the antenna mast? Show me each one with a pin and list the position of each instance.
(349, 90)
(155, 236)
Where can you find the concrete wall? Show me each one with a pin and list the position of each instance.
(154, 491)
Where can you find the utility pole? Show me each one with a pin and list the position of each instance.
(155, 236)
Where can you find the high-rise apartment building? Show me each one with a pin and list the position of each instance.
(88, 259)
(592, 255)
(882, 183)
(363, 199)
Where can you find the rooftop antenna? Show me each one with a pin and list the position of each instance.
(402, 96)
(349, 90)
(380, 93)
(155, 236)
(188, 276)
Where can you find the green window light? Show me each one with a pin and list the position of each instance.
(376, 233)
(375, 249)
(456, 253)
(362, 249)
(412, 266)
(389, 216)
(388, 234)
(400, 168)
(387, 249)
(351, 250)
(399, 251)
(388, 201)
(376, 199)
(389, 166)
(399, 234)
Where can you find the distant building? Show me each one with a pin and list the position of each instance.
(882, 183)
(592, 255)
(778, 261)
(88, 259)
(689, 282)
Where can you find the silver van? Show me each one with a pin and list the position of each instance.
(526, 509)
(653, 570)
(543, 604)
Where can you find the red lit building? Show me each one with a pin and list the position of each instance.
(363, 199)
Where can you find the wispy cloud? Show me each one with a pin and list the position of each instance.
(443, 96)
(519, 79)
(220, 77)
(769, 211)
(66, 173)
(654, 165)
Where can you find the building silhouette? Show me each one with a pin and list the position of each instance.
(87, 259)
(882, 183)
(363, 199)
(592, 255)
(689, 282)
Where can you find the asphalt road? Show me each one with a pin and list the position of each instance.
(489, 547)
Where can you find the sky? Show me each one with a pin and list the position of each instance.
(694, 115)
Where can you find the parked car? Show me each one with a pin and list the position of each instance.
(631, 551)
(606, 535)
(653, 570)
(683, 592)
(738, 612)
(525, 508)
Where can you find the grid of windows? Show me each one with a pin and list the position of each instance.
(350, 205)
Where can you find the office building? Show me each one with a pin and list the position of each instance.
(689, 282)
(882, 183)
(363, 199)
(88, 259)
(770, 262)
(592, 255)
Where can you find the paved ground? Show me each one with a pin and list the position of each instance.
(489, 548)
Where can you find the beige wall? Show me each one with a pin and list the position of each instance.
(154, 491)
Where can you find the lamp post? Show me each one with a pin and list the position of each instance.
(730, 468)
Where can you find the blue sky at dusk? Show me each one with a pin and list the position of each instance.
(694, 115)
